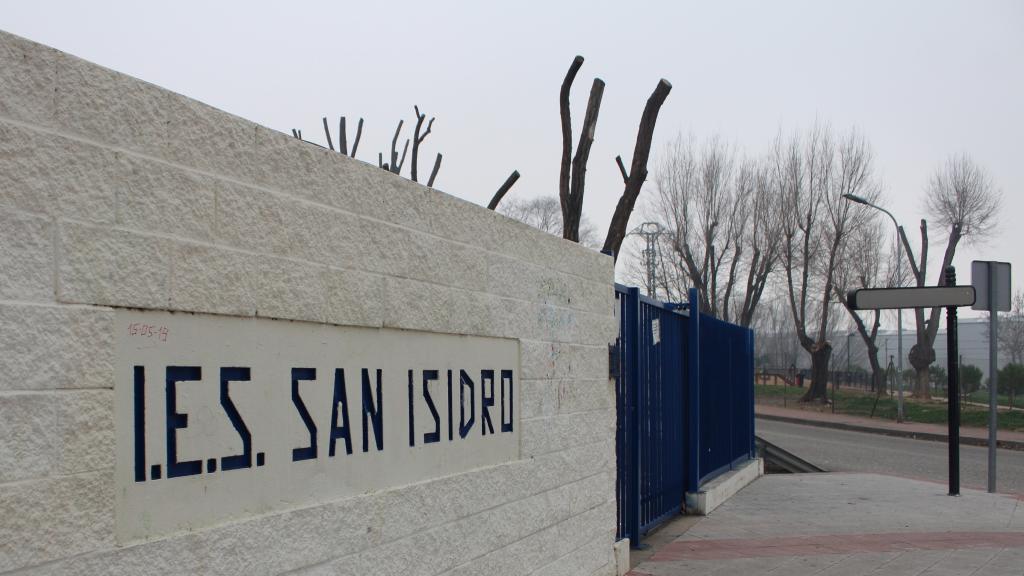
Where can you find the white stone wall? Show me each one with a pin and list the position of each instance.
(117, 193)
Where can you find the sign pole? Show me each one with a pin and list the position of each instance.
(953, 391)
(993, 376)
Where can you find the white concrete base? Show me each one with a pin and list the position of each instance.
(621, 556)
(716, 492)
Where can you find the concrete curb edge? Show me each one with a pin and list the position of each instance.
(968, 440)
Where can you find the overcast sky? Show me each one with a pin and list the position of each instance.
(922, 79)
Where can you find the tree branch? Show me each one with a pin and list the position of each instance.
(433, 173)
(394, 143)
(327, 131)
(638, 170)
(566, 117)
(359, 134)
(418, 139)
(503, 190)
(397, 168)
(577, 187)
(342, 137)
(622, 169)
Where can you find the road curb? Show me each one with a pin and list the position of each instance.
(968, 440)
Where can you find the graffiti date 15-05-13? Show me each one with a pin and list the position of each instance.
(493, 388)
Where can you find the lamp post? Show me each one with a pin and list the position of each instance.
(899, 312)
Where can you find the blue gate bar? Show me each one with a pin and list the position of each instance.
(693, 389)
(684, 406)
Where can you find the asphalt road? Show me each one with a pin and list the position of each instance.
(845, 451)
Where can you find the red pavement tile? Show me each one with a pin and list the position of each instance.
(735, 548)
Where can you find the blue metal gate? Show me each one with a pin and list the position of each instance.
(661, 419)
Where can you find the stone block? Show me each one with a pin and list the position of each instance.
(216, 280)
(596, 556)
(85, 429)
(291, 290)
(546, 545)
(26, 257)
(585, 395)
(49, 347)
(544, 435)
(27, 79)
(27, 438)
(111, 108)
(157, 197)
(204, 138)
(465, 539)
(285, 164)
(548, 360)
(48, 174)
(406, 253)
(418, 507)
(55, 433)
(539, 398)
(256, 220)
(112, 267)
(53, 518)
(354, 298)
(415, 305)
(458, 220)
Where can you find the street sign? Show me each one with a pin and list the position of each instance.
(992, 281)
(980, 274)
(927, 297)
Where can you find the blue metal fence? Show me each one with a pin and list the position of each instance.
(672, 436)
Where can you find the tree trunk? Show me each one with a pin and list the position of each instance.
(818, 390)
(877, 372)
(922, 387)
(921, 357)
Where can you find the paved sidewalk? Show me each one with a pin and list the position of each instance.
(975, 436)
(849, 524)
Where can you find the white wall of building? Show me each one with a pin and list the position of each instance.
(117, 194)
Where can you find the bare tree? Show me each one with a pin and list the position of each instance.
(572, 173)
(419, 135)
(544, 213)
(637, 175)
(866, 265)
(342, 137)
(1010, 338)
(814, 173)
(962, 199)
(723, 223)
(395, 166)
(776, 346)
(573, 167)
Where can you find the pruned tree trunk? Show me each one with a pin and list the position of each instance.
(564, 173)
(638, 169)
(818, 390)
(877, 372)
(418, 139)
(433, 173)
(503, 190)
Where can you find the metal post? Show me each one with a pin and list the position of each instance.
(993, 376)
(693, 431)
(899, 328)
(953, 376)
(632, 344)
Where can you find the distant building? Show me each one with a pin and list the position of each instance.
(973, 345)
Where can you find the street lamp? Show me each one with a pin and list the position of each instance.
(899, 312)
